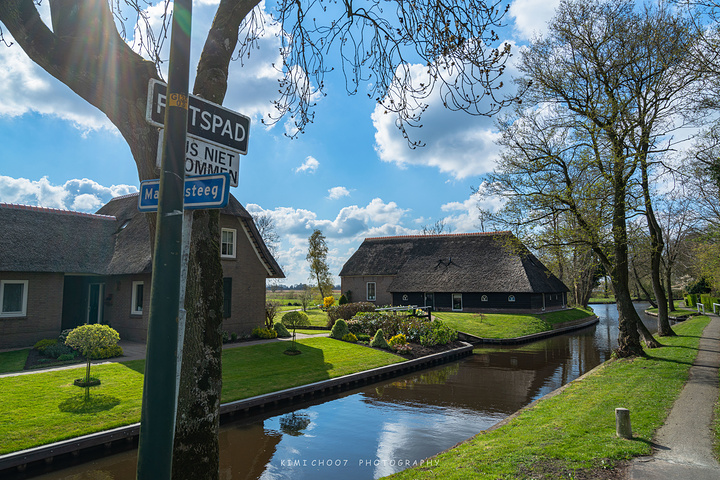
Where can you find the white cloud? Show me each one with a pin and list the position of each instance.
(338, 192)
(456, 143)
(532, 16)
(81, 195)
(310, 165)
(464, 216)
(344, 233)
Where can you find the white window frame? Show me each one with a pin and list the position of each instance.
(23, 311)
(232, 245)
(484, 298)
(367, 291)
(453, 302)
(511, 298)
(133, 310)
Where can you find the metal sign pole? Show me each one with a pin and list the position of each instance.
(157, 421)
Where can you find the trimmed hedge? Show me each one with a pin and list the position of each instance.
(347, 311)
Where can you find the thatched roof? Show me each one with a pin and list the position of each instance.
(114, 241)
(37, 239)
(475, 262)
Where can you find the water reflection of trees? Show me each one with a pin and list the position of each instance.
(294, 423)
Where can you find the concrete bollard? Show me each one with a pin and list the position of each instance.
(623, 429)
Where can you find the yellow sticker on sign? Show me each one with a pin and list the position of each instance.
(177, 100)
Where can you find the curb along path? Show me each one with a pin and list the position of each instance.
(683, 446)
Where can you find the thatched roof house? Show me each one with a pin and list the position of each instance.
(60, 269)
(462, 272)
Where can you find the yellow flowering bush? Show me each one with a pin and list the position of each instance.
(328, 301)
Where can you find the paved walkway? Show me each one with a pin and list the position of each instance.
(136, 351)
(683, 446)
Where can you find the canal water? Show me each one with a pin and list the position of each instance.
(383, 428)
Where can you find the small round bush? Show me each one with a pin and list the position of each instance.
(350, 338)
(41, 345)
(295, 319)
(106, 352)
(378, 341)
(343, 300)
(67, 356)
(339, 330)
(265, 333)
(282, 332)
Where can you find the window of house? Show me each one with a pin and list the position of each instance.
(227, 243)
(457, 302)
(484, 298)
(138, 291)
(371, 291)
(13, 298)
(511, 298)
(227, 296)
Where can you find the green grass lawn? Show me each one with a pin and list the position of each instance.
(507, 325)
(46, 407)
(13, 361)
(317, 317)
(576, 428)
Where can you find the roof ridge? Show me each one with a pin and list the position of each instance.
(135, 194)
(35, 208)
(469, 234)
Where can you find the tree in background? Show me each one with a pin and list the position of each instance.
(603, 87)
(319, 269)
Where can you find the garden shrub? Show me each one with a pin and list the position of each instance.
(282, 332)
(67, 356)
(347, 311)
(64, 334)
(41, 345)
(398, 339)
(379, 341)
(328, 301)
(440, 334)
(343, 300)
(339, 330)
(362, 337)
(225, 336)
(691, 300)
(57, 350)
(233, 337)
(349, 337)
(89, 338)
(265, 333)
(414, 328)
(106, 352)
(708, 300)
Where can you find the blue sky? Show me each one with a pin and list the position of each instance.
(351, 174)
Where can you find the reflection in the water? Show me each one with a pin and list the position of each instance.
(381, 429)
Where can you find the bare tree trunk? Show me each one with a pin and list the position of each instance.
(196, 448)
(668, 282)
(642, 287)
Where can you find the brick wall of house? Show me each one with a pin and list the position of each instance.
(358, 288)
(43, 314)
(118, 314)
(248, 285)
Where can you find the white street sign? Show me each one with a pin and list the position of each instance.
(203, 158)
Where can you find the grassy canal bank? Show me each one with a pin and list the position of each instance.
(46, 407)
(572, 434)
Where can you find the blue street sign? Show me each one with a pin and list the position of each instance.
(205, 191)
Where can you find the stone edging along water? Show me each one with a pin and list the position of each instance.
(128, 434)
(559, 329)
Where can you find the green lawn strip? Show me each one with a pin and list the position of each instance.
(678, 312)
(46, 407)
(322, 358)
(312, 332)
(13, 361)
(576, 428)
(602, 300)
(508, 325)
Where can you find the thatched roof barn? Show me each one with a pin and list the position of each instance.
(60, 269)
(474, 271)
